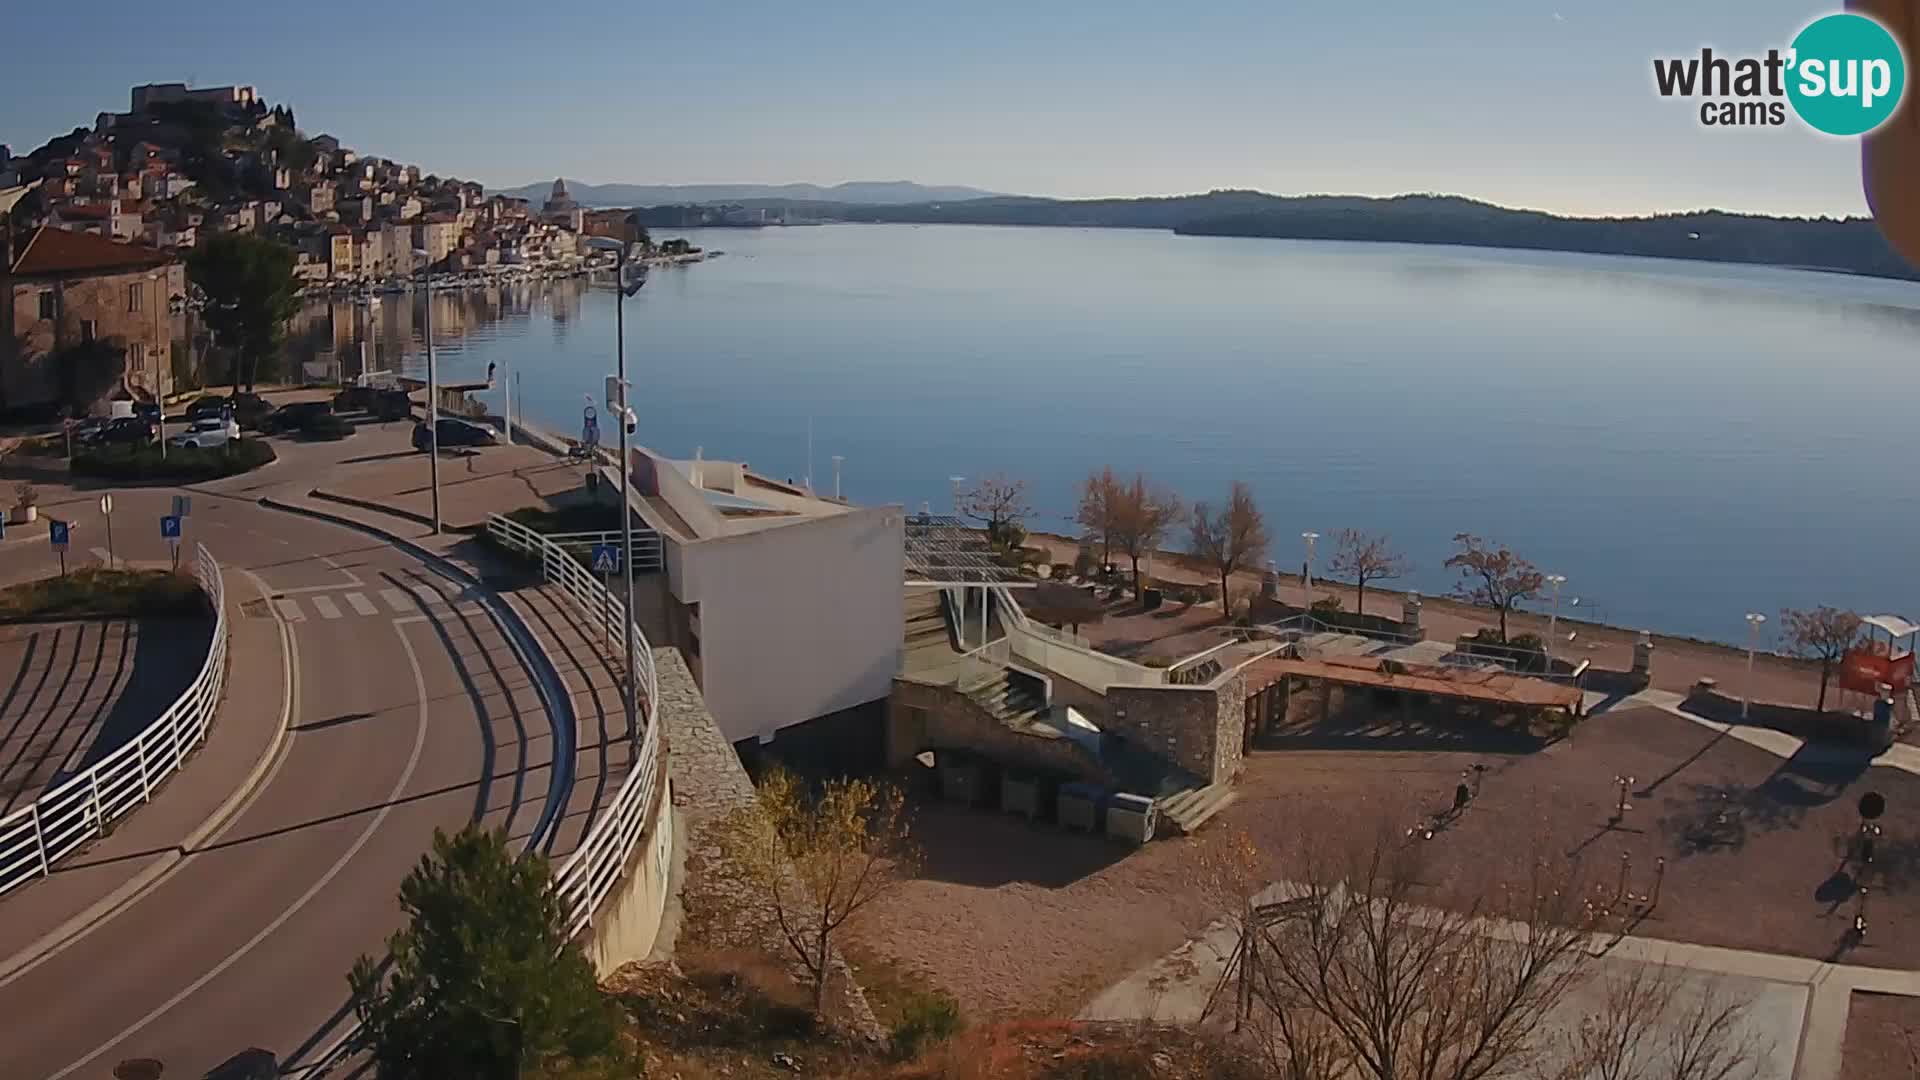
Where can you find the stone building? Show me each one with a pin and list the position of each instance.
(67, 288)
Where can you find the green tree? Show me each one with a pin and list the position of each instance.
(88, 371)
(249, 285)
(484, 981)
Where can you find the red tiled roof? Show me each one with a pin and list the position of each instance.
(57, 251)
(82, 212)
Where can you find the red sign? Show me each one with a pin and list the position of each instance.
(1866, 670)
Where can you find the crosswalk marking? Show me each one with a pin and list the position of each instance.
(361, 604)
(397, 600)
(290, 609)
(326, 607)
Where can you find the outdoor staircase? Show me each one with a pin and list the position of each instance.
(927, 624)
(1192, 807)
(1009, 701)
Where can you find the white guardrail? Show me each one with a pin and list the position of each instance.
(81, 807)
(593, 869)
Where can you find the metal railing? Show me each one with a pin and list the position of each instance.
(1298, 628)
(648, 553)
(80, 808)
(586, 876)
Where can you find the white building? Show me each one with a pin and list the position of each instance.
(787, 605)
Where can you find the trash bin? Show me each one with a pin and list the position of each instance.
(1131, 817)
(1079, 807)
(1020, 795)
(960, 782)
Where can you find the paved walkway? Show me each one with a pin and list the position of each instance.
(1902, 756)
(240, 746)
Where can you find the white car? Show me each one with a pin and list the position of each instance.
(210, 431)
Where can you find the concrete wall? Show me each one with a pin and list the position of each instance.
(1093, 670)
(1198, 728)
(796, 621)
(627, 925)
(922, 717)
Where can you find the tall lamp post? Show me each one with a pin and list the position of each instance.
(1306, 569)
(1754, 619)
(1553, 615)
(421, 256)
(625, 416)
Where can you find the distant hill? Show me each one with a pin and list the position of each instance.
(856, 192)
(1853, 245)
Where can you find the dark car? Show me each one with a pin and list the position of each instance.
(454, 433)
(298, 416)
(133, 430)
(391, 405)
(247, 409)
(211, 407)
(354, 399)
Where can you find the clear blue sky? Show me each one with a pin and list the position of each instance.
(1541, 103)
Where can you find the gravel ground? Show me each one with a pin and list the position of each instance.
(1883, 1038)
(1020, 919)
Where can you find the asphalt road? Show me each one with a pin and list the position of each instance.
(411, 711)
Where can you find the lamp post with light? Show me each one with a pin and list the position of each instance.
(425, 260)
(625, 414)
(1754, 619)
(1553, 615)
(1306, 569)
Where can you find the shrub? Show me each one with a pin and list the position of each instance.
(925, 1019)
(1086, 562)
(1327, 605)
(99, 592)
(180, 465)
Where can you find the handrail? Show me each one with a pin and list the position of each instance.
(594, 868)
(80, 808)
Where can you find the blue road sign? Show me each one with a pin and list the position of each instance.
(57, 532)
(3, 528)
(182, 505)
(170, 527)
(606, 559)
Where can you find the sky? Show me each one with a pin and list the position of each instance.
(1536, 103)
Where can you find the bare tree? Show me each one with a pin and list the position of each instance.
(1405, 991)
(1000, 503)
(1098, 495)
(818, 861)
(1230, 539)
(1492, 576)
(1362, 557)
(1653, 1023)
(1824, 634)
(1143, 515)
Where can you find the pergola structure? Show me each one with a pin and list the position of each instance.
(944, 553)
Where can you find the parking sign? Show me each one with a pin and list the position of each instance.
(57, 532)
(170, 527)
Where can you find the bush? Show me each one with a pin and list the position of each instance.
(1085, 562)
(925, 1019)
(1526, 652)
(99, 592)
(1327, 605)
(181, 464)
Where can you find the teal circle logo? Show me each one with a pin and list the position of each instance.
(1847, 74)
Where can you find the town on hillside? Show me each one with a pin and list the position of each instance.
(100, 222)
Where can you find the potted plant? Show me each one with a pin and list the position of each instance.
(26, 503)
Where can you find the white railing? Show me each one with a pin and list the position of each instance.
(648, 553)
(593, 869)
(81, 807)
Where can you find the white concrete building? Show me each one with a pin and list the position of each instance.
(787, 605)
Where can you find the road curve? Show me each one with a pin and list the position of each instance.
(412, 710)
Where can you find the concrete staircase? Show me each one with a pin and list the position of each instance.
(1192, 807)
(1010, 701)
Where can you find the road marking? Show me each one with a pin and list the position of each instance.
(105, 557)
(406, 776)
(327, 608)
(397, 600)
(360, 604)
(290, 609)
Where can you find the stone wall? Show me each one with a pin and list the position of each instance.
(922, 717)
(1198, 728)
(720, 908)
(145, 335)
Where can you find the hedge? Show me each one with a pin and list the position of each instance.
(99, 592)
(180, 465)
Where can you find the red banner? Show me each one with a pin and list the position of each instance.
(1866, 670)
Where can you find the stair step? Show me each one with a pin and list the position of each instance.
(1193, 807)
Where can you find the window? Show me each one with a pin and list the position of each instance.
(133, 295)
(47, 305)
(137, 357)
(86, 329)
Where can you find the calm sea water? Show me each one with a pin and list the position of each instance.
(1685, 442)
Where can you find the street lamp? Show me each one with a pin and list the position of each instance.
(1553, 617)
(425, 262)
(624, 289)
(1306, 570)
(1754, 619)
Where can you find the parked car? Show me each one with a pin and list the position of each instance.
(298, 416)
(134, 430)
(453, 433)
(211, 406)
(354, 399)
(246, 409)
(391, 405)
(206, 432)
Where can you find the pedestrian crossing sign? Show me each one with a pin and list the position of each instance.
(606, 559)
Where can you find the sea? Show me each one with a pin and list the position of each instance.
(1685, 442)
